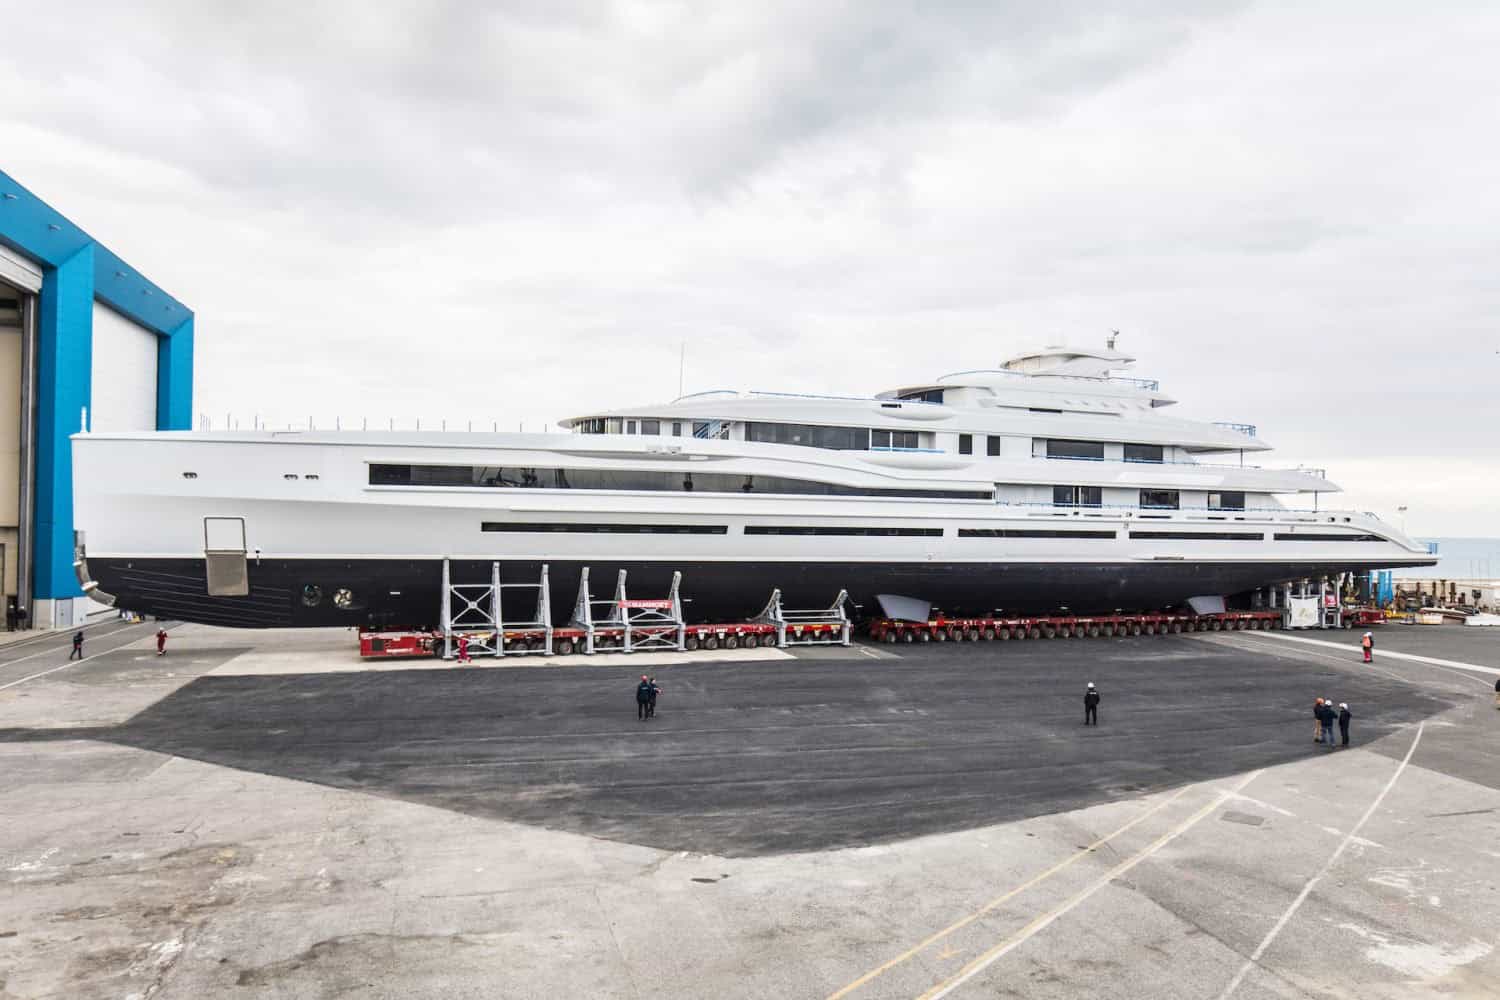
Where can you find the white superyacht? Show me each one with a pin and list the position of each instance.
(1051, 482)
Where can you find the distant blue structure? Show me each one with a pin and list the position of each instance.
(62, 275)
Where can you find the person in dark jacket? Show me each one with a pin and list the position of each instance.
(1497, 694)
(651, 704)
(77, 653)
(642, 698)
(1329, 718)
(1091, 705)
(1318, 723)
(1344, 716)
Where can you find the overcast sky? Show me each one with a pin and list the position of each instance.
(520, 212)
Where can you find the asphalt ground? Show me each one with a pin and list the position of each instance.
(795, 755)
(928, 821)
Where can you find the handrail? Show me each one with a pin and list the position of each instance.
(1323, 515)
(1246, 429)
(1144, 383)
(1318, 473)
(886, 447)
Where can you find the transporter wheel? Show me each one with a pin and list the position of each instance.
(907, 636)
(1253, 625)
(1135, 628)
(1003, 633)
(924, 636)
(987, 635)
(1148, 629)
(1093, 632)
(1275, 623)
(1232, 625)
(942, 635)
(690, 643)
(731, 642)
(1176, 627)
(972, 635)
(712, 642)
(1215, 625)
(750, 641)
(1033, 633)
(563, 647)
(888, 636)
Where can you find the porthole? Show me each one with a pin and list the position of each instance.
(190, 475)
(290, 475)
(343, 598)
(312, 475)
(312, 594)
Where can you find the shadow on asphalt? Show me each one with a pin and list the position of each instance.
(781, 756)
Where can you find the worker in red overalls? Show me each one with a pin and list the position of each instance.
(463, 648)
(1367, 643)
(161, 642)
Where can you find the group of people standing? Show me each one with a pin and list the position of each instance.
(1327, 717)
(645, 698)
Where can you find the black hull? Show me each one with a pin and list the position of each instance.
(400, 593)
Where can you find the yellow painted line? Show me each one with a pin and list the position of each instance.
(1265, 943)
(984, 961)
(998, 901)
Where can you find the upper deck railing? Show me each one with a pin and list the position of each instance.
(1149, 384)
(1246, 429)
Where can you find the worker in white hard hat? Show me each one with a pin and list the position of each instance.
(1091, 705)
(1344, 716)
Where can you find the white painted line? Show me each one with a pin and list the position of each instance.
(1349, 837)
(47, 652)
(1040, 923)
(70, 663)
(1478, 668)
(995, 903)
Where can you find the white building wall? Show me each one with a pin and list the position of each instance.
(124, 374)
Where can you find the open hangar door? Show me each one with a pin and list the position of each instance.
(123, 374)
(20, 281)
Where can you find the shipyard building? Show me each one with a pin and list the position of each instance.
(86, 341)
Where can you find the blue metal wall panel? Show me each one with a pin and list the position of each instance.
(174, 379)
(65, 327)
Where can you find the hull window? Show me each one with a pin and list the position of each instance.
(810, 436)
(1086, 451)
(894, 439)
(1218, 536)
(639, 480)
(828, 529)
(1160, 499)
(966, 444)
(573, 527)
(1226, 501)
(1145, 453)
(1029, 533)
(1077, 496)
(992, 445)
(1290, 537)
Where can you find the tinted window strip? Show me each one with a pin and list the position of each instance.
(632, 480)
(823, 529)
(1289, 537)
(1224, 536)
(606, 529)
(1029, 533)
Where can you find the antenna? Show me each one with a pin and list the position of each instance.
(1113, 336)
